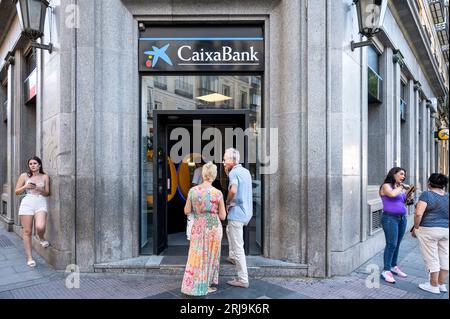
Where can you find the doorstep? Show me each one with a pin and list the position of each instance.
(257, 266)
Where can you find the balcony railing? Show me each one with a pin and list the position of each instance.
(160, 85)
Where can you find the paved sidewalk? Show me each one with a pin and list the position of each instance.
(18, 281)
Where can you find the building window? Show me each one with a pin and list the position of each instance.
(5, 103)
(376, 123)
(208, 85)
(30, 77)
(30, 62)
(183, 87)
(243, 78)
(149, 102)
(160, 82)
(226, 90)
(375, 81)
(403, 104)
(244, 100)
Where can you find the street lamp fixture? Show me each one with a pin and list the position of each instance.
(32, 20)
(370, 19)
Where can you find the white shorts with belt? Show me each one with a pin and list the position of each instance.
(31, 204)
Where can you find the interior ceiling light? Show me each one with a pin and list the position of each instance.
(215, 97)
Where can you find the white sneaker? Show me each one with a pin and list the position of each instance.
(443, 288)
(388, 277)
(397, 271)
(428, 287)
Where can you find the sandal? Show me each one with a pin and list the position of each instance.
(31, 263)
(212, 289)
(44, 243)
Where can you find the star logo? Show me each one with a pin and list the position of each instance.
(156, 54)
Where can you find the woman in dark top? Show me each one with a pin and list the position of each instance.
(431, 229)
(393, 220)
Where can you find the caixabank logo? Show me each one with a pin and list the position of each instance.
(157, 53)
(201, 54)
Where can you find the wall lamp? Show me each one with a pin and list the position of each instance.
(370, 19)
(32, 21)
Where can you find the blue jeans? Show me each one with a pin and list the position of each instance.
(394, 228)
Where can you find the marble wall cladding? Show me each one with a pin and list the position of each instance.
(314, 94)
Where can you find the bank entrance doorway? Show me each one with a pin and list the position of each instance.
(200, 107)
(184, 140)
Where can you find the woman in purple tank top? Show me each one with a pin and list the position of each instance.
(393, 220)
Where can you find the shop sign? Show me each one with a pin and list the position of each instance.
(201, 49)
(442, 134)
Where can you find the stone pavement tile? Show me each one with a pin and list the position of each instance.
(22, 277)
(98, 288)
(411, 295)
(320, 290)
(22, 267)
(21, 284)
(12, 262)
(444, 295)
(257, 289)
(345, 293)
(6, 295)
(164, 295)
(295, 295)
(293, 284)
(6, 271)
(413, 272)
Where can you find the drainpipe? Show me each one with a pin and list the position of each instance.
(75, 95)
(328, 140)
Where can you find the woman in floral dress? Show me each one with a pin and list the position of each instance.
(206, 205)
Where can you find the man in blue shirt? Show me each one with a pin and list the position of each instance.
(240, 210)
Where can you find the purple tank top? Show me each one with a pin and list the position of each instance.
(394, 205)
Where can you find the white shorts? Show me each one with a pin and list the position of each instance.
(32, 204)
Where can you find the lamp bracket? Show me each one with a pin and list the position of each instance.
(48, 47)
(355, 45)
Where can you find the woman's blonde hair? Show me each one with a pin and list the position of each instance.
(209, 172)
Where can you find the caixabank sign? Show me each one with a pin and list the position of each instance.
(201, 48)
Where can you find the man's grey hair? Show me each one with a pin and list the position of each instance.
(233, 154)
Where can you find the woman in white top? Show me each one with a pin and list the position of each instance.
(36, 184)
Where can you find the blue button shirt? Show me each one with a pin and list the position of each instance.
(241, 209)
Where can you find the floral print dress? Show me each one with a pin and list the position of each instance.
(202, 268)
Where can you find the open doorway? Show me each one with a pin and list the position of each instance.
(169, 102)
(174, 167)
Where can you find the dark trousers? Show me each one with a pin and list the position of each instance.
(394, 228)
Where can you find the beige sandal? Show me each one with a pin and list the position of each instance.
(212, 289)
(44, 243)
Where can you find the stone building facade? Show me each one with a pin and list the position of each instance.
(344, 118)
